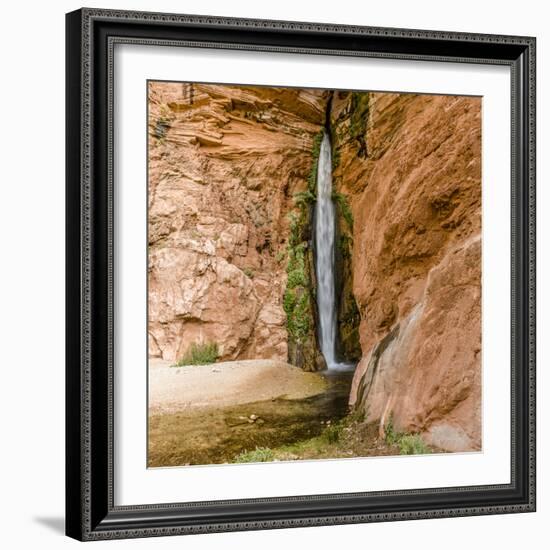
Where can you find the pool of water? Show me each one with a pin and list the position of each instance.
(217, 436)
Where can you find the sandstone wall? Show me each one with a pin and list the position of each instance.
(411, 167)
(224, 164)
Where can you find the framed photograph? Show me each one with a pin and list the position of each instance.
(300, 274)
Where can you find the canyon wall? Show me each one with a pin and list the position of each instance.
(225, 163)
(232, 174)
(410, 167)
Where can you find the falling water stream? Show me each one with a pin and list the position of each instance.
(325, 229)
(224, 432)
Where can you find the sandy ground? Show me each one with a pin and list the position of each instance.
(173, 389)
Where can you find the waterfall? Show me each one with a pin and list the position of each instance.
(325, 230)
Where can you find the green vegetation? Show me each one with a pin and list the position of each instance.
(313, 447)
(259, 454)
(359, 113)
(409, 444)
(249, 272)
(320, 444)
(391, 435)
(296, 268)
(298, 296)
(337, 439)
(297, 307)
(342, 202)
(412, 444)
(199, 354)
(333, 432)
(304, 198)
(296, 227)
(343, 438)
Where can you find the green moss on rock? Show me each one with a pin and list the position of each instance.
(359, 110)
(349, 128)
(299, 296)
(344, 209)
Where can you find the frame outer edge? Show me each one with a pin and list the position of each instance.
(79, 54)
(287, 25)
(532, 247)
(74, 498)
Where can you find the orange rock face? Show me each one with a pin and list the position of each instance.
(411, 168)
(224, 163)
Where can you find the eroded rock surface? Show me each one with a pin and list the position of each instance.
(411, 168)
(224, 164)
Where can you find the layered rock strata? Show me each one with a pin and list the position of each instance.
(231, 191)
(225, 163)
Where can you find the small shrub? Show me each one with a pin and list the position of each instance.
(199, 354)
(296, 268)
(358, 415)
(259, 454)
(295, 229)
(392, 436)
(412, 444)
(298, 316)
(333, 433)
(249, 272)
(296, 278)
(409, 444)
(304, 198)
(289, 301)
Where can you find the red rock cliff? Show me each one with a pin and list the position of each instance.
(227, 165)
(224, 164)
(411, 168)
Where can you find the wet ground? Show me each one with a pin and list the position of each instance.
(218, 435)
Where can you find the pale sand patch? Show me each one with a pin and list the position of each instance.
(173, 389)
